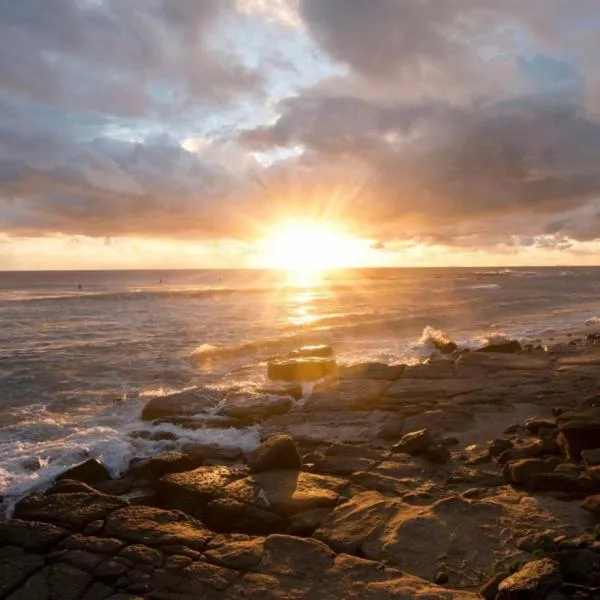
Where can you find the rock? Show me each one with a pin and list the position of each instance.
(55, 581)
(441, 577)
(70, 486)
(150, 469)
(508, 347)
(286, 389)
(235, 551)
(305, 523)
(489, 590)
(498, 446)
(347, 394)
(494, 361)
(301, 369)
(32, 536)
(227, 515)
(286, 492)
(535, 424)
(445, 347)
(561, 482)
(319, 351)
(14, 570)
(577, 436)
(415, 442)
(155, 527)
(32, 464)
(71, 511)
(538, 542)
(450, 441)
(372, 370)
(581, 566)
(532, 582)
(295, 557)
(591, 457)
(246, 405)
(198, 580)
(192, 490)
(442, 369)
(91, 471)
(592, 505)
(278, 452)
(437, 454)
(521, 471)
(188, 402)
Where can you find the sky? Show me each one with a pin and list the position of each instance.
(181, 133)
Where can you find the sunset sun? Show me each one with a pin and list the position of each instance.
(310, 247)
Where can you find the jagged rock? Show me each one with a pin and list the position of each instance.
(415, 442)
(521, 471)
(531, 582)
(321, 350)
(226, 515)
(301, 369)
(193, 489)
(71, 511)
(534, 424)
(246, 405)
(498, 446)
(150, 469)
(32, 536)
(155, 527)
(371, 370)
(70, 486)
(591, 457)
(91, 471)
(576, 436)
(277, 453)
(188, 402)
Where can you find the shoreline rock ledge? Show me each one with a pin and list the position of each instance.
(472, 475)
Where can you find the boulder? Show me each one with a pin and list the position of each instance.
(150, 469)
(534, 424)
(437, 454)
(415, 442)
(200, 453)
(246, 405)
(227, 515)
(561, 482)
(521, 471)
(591, 457)
(579, 566)
(277, 453)
(238, 552)
(316, 351)
(532, 582)
(508, 347)
(90, 471)
(186, 403)
(283, 389)
(371, 370)
(32, 536)
(576, 436)
(592, 505)
(347, 394)
(155, 527)
(286, 492)
(301, 369)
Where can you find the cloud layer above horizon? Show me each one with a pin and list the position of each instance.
(463, 123)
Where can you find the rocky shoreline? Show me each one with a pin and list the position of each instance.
(474, 474)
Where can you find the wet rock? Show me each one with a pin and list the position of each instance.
(347, 394)
(188, 402)
(415, 442)
(71, 511)
(194, 489)
(508, 347)
(534, 425)
(489, 590)
(498, 446)
(301, 369)
(591, 457)
(437, 454)
(200, 453)
(441, 577)
(115, 487)
(538, 542)
(276, 453)
(592, 505)
(155, 527)
(521, 471)
(14, 570)
(577, 436)
(579, 566)
(450, 441)
(560, 482)
(319, 351)
(532, 582)
(371, 370)
(286, 389)
(32, 464)
(445, 347)
(227, 515)
(246, 405)
(32, 536)
(91, 471)
(150, 469)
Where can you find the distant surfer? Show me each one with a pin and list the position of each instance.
(79, 287)
(160, 281)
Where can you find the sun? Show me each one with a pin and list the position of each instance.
(308, 247)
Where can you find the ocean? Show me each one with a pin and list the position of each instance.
(78, 363)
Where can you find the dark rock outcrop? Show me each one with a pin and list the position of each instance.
(508, 347)
(91, 471)
(531, 582)
(301, 369)
(277, 453)
(415, 442)
(188, 402)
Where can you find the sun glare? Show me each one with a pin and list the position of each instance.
(307, 247)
